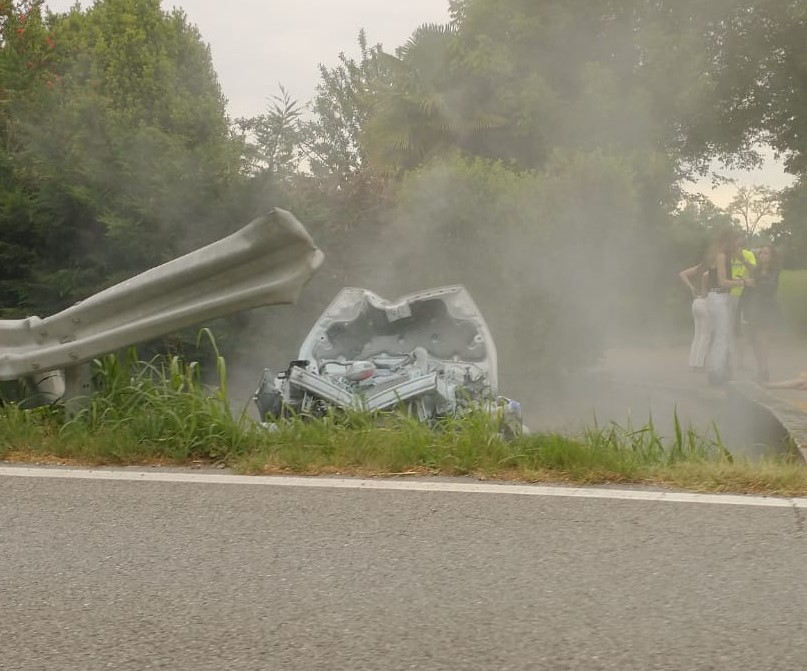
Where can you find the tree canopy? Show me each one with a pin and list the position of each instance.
(116, 144)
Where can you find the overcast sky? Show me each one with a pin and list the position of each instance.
(257, 45)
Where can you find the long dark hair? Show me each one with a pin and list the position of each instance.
(773, 265)
(724, 241)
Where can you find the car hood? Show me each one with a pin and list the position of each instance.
(359, 325)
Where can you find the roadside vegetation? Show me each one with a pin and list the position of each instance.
(540, 153)
(516, 142)
(160, 413)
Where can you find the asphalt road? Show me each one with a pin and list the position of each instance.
(164, 575)
(634, 385)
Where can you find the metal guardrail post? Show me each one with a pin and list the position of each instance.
(77, 388)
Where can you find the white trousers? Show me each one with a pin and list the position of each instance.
(717, 362)
(734, 306)
(703, 333)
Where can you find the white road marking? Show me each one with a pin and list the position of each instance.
(403, 485)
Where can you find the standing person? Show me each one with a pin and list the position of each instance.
(761, 307)
(700, 314)
(718, 263)
(743, 262)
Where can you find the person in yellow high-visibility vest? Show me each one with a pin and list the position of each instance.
(743, 263)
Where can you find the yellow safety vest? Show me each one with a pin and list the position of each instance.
(739, 270)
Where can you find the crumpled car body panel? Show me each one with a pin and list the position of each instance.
(430, 352)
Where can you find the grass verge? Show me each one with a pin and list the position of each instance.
(160, 413)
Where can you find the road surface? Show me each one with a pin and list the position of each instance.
(133, 575)
(633, 385)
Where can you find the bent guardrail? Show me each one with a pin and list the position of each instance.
(267, 262)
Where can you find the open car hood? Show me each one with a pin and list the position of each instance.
(441, 324)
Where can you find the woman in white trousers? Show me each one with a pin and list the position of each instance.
(700, 314)
(720, 282)
(719, 306)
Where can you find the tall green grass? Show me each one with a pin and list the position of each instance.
(157, 410)
(160, 411)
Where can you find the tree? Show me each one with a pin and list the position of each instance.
(751, 204)
(26, 76)
(419, 115)
(26, 50)
(344, 100)
(122, 152)
(790, 233)
(758, 66)
(273, 140)
(151, 66)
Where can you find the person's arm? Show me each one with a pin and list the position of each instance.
(686, 274)
(727, 282)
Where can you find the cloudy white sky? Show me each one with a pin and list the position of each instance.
(257, 45)
(771, 174)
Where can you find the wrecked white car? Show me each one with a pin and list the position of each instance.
(429, 353)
